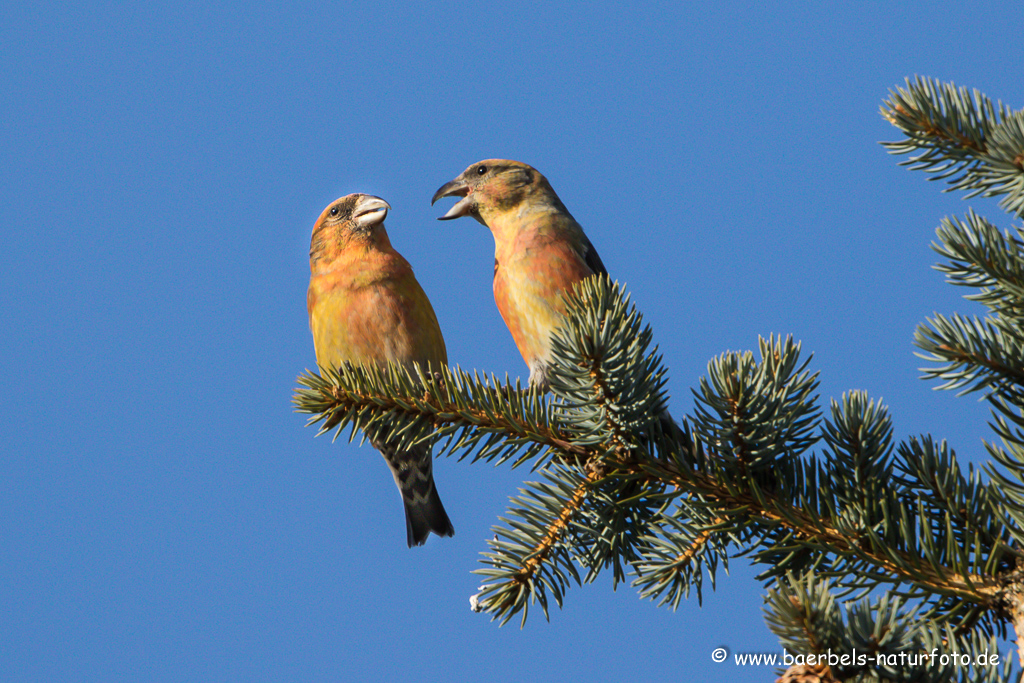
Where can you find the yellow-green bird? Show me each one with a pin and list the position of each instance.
(540, 250)
(366, 308)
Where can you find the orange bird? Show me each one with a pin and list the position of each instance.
(366, 308)
(539, 250)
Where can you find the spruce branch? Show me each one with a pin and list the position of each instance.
(872, 640)
(482, 418)
(981, 257)
(691, 542)
(530, 559)
(980, 147)
(619, 491)
(623, 486)
(865, 558)
(866, 542)
(971, 354)
(752, 413)
(961, 137)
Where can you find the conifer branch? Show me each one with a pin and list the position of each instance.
(808, 527)
(452, 402)
(961, 137)
(821, 501)
(743, 499)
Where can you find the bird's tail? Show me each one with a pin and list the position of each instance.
(413, 472)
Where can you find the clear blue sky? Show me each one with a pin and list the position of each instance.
(165, 516)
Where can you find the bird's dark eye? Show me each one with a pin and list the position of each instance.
(480, 170)
(334, 211)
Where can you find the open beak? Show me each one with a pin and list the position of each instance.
(455, 188)
(370, 211)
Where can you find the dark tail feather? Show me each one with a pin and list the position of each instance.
(424, 516)
(413, 472)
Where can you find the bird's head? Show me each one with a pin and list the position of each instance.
(351, 218)
(355, 218)
(354, 212)
(493, 188)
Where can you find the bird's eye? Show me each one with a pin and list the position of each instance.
(480, 170)
(334, 211)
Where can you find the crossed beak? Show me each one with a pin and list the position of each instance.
(370, 211)
(455, 188)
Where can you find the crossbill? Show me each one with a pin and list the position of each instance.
(366, 308)
(540, 250)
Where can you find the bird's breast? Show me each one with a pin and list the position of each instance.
(528, 289)
(366, 317)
